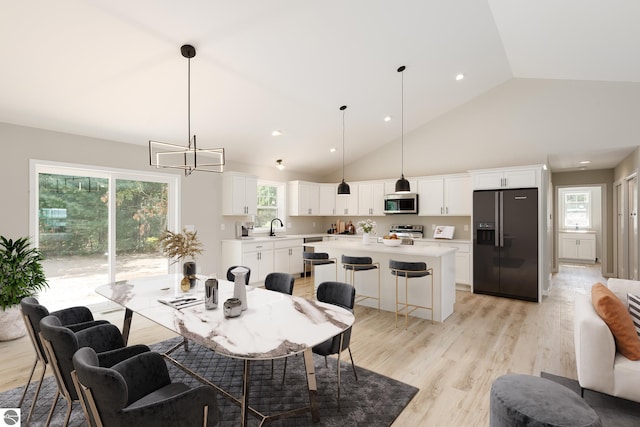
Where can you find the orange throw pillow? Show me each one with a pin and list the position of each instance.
(617, 317)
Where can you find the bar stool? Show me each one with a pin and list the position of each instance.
(410, 270)
(360, 263)
(317, 258)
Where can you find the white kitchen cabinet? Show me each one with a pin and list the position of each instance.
(288, 256)
(304, 198)
(463, 258)
(577, 246)
(239, 194)
(258, 256)
(445, 195)
(328, 194)
(371, 198)
(521, 177)
(347, 204)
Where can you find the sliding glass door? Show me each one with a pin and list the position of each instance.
(97, 226)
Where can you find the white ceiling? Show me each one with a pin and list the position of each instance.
(112, 68)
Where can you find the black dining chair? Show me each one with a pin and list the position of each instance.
(60, 344)
(74, 318)
(139, 392)
(231, 277)
(342, 295)
(280, 282)
(283, 283)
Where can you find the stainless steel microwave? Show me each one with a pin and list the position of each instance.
(401, 203)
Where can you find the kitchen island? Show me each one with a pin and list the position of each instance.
(441, 259)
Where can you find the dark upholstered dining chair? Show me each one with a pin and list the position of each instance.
(139, 392)
(283, 283)
(74, 318)
(231, 277)
(342, 295)
(60, 344)
(280, 282)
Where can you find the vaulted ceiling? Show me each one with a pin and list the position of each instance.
(112, 69)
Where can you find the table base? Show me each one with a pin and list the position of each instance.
(243, 401)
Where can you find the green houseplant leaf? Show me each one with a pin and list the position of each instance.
(21, 273)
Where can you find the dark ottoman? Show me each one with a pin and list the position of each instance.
(525, 400)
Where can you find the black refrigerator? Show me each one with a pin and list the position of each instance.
(505, 243)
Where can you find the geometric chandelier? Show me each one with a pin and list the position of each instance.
(190, 158)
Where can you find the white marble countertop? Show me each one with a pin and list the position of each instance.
(430, 251)
(577, 231)
(274, 325)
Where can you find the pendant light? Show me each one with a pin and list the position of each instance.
(343, 187)
(190, 158)
(402, 185)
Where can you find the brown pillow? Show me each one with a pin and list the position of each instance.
(616, 316)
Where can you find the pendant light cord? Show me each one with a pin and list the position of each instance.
(189, 101)
(402, 123)
(343, 112)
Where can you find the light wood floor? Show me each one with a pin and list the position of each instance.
(453, 363)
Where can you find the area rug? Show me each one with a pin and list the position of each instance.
(372, 400)
(613, 411)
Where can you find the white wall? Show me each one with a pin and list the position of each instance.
(200, 192)
(519, 115)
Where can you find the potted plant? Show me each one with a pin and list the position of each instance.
(21, 275)
(179, 247)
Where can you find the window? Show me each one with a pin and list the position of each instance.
(271, 204)
(96, 226)
(577, 208)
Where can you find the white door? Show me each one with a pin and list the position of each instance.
(620, 240)
(632, 194)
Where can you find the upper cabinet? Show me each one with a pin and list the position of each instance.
(239, 194)
(304, 198)
(520, 177)
(370, 198)
(347, 204)
(328, 199)
(446, 195)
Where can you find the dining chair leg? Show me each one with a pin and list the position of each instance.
(353, 365)
(338, 364)
(26, 387)
(284, 372)
(66, 418)
(37, 393)
(53, 408)
(326, 365)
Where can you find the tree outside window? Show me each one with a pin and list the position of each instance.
(270, 204)
(577, 208)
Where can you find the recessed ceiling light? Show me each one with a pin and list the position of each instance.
(585, 162)
(459, 76)
(387, 119)
(332, 150)
(276, 133)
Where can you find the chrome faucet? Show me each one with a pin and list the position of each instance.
(271, 232)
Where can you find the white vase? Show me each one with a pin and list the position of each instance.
(240, 286)
(365, 238)
(12, 323)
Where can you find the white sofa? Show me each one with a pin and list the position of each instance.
(600, 367)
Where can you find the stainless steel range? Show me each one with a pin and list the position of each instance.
(407, 231)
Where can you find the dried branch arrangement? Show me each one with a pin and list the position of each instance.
(179, 246)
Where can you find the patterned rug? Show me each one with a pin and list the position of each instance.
(373, 400)
(613, 411)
